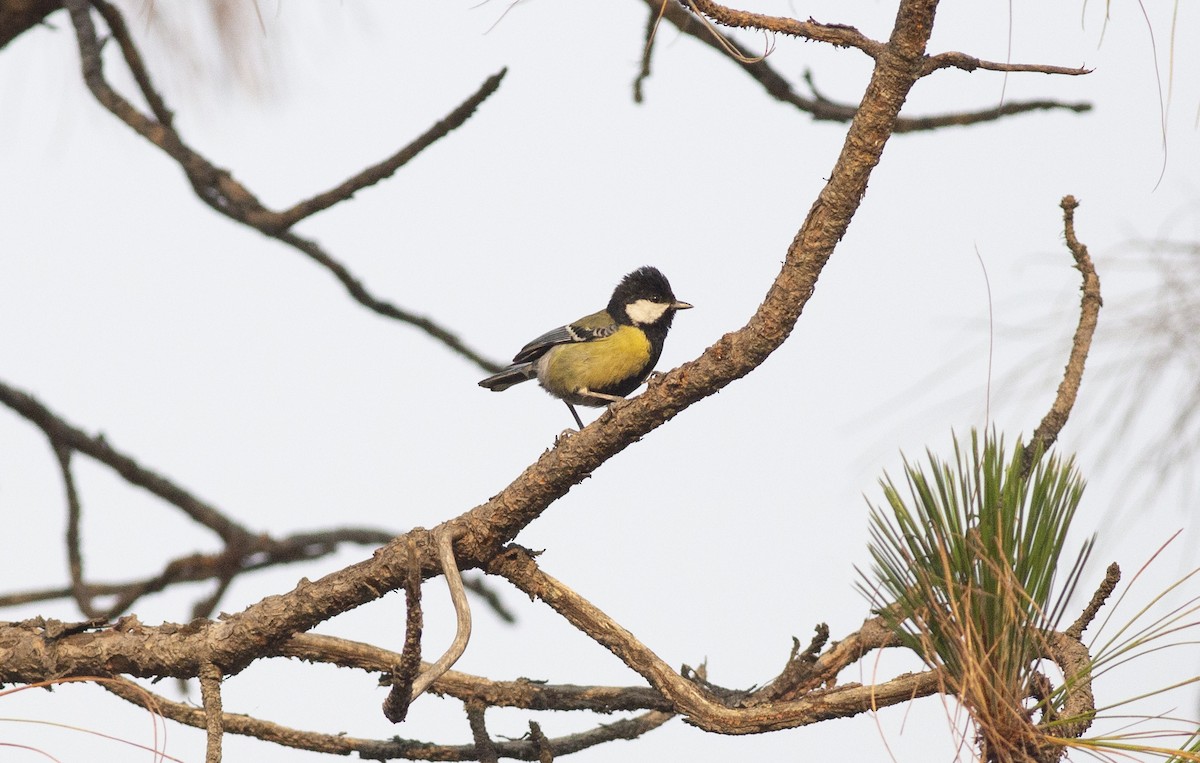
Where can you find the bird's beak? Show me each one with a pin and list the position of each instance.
(678, 305)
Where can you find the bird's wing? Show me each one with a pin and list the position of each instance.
(586, 329)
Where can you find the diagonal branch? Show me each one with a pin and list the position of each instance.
(63, 435)
(238, 640)
(701, 707)
(385, 169)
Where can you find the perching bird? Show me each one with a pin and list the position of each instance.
(601, 358)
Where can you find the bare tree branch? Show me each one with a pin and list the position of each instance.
(1112, 576)
(839, 35)
(404, 673)
(386, 749)
(218, 188)
(522, 693)
(266, 552)
(462, 613)
(545, 754)
(967, 63)
(62, 434)
(1047, 432)
(821, 108)
(485, 749)
(388, 167)
(214, 716)
(79, 588)
(701, 707)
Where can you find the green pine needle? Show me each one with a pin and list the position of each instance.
(965, 555)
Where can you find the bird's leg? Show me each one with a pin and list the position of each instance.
(574, 413)
(600, 395)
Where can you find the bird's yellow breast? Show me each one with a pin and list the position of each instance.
(616, 364)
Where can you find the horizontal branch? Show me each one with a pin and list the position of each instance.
(952, 59)
(382, 749)
(522, 693)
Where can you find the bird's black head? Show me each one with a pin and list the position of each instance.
(644, 298)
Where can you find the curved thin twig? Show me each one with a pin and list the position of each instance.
(462, 612)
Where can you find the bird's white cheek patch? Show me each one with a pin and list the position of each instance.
(644, 311)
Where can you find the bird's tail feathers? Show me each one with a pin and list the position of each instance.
(514, 374)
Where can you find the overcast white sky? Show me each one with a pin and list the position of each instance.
(243, 371)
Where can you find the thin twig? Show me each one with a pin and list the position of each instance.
(400, 696)
(361, 295)
(479, 586)
(648, 46)
(953, 59)
(545, 754)
(1112, 576)
(485, 748)
(462, 613)
(79, 589)
(387, 168)
(62, 434)
(210, 696)
(838, 35)
(1047, 432)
